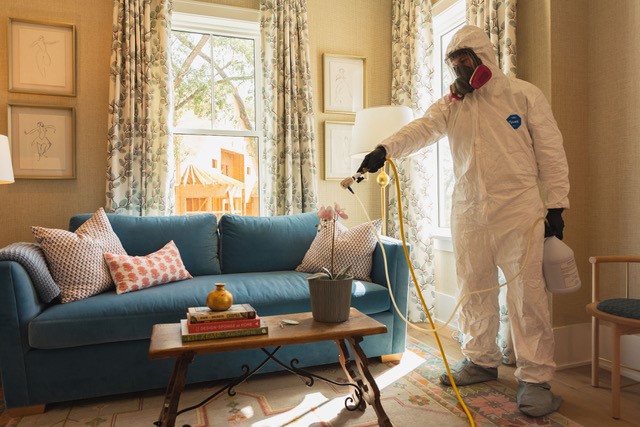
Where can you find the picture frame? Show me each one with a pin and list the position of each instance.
(338, 163)
(344, 83)
(41, 57)
(42, 141)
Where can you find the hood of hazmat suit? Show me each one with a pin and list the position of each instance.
(510, 166)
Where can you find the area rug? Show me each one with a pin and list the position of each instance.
(410, 395)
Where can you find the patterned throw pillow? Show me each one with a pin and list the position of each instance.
(353, 247)
(76, 259)
(133, 273)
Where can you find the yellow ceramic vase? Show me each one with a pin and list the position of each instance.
(219, 299)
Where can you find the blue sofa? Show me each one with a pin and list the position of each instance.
(98, 346)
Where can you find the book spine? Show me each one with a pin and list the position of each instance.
(214, 317)
(223, 325)
(225, 334)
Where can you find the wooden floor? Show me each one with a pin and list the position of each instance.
(584, 404)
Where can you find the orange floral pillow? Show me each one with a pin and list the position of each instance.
(133, 273)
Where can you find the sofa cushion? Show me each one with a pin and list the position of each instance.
(76, 260)
(112, 318)
(195, 236)
(133, 273)
(253, 244)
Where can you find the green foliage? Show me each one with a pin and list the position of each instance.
(203, 65)
(325, 274)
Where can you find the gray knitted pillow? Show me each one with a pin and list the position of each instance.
(31, 257)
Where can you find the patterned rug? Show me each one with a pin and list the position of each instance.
(410, 391)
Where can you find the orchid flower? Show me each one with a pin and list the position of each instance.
(331, 215)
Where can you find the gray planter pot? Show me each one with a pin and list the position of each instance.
(330, 299)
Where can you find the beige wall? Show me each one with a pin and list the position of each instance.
(359, 28)
(52, 202)
(577, 51)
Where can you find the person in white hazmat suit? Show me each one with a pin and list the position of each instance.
(510, 169)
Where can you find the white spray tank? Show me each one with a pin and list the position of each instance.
(559, 267)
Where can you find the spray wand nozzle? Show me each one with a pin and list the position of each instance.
(348, 182)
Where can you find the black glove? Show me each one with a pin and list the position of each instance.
(373, 161)
(554, 224)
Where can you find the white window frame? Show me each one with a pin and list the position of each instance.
(196, 16)
(447, 15)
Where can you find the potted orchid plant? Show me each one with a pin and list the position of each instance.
(330, 291)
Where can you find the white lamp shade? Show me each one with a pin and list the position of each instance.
(6, 170)
(373, 125)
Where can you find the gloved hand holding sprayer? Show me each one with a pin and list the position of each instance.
(506, 148)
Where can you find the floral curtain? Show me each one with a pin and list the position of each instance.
(289, 183)
(140, 169)
(412, 46)
(498, 19)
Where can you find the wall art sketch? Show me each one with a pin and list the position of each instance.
(338, 163)
(42, 141)
(42, 58)
(344, 83)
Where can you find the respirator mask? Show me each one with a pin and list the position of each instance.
(469, 71)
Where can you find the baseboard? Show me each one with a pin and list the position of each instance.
(573, 345)
(629, 349)
(443, 307)
(573, 342)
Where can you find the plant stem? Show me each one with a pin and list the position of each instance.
(333, 243)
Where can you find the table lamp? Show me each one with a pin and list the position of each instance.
(372, 126)
(6, 170)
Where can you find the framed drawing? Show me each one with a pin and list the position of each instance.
(42, 141)
(344, 83)
(338, 163)
(42, 57)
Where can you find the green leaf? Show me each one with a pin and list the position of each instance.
(319, 275)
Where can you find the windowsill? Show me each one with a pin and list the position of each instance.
(442, 240)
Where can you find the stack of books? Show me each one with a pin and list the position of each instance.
(239, 320)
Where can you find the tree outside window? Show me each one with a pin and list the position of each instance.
(216, 135)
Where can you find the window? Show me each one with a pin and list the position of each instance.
(215, 60)
(445, 25)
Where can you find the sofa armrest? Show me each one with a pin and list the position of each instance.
(19, 304)
(399, 279)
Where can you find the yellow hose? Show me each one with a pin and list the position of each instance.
(415, 281)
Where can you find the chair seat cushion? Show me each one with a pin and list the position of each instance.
(623, 307)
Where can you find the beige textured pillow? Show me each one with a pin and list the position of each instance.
(353, 247)
(76, 260)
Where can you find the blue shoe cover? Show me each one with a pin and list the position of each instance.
(536, 399)
(466, 372)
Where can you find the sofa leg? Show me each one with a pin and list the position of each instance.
(23, 411)
(391, 358)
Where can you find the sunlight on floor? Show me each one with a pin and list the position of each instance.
(315, 407)
(300, 415)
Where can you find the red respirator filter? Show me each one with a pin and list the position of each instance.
(481, 75)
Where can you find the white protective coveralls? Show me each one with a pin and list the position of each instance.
(509, 166)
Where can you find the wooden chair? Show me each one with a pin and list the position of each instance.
(624, 316)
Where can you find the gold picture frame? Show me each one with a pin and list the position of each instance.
(338, 163)
(42, 141)
(344, 83)
(41, 57)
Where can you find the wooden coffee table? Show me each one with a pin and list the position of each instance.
(166, 342)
